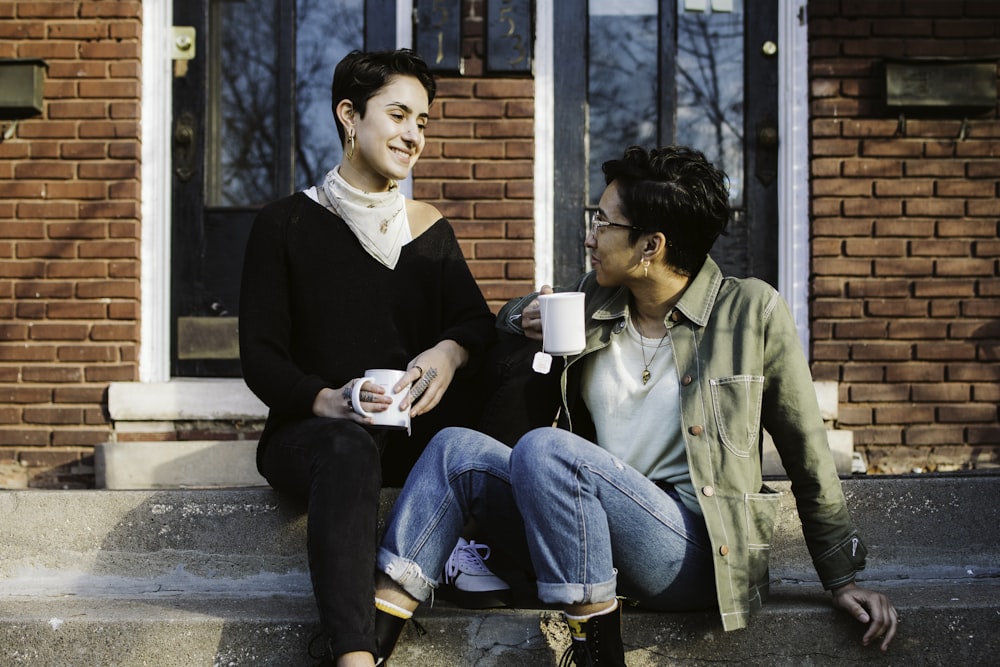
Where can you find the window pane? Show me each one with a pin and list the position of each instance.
(242, 111)
(622, 82)
(710, 88)
(326, 32)
(243, 135)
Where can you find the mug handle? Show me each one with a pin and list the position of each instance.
(356, 397)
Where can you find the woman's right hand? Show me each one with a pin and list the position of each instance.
(336, 403)
(531, 316)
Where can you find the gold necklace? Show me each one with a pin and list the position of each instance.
(646, 375)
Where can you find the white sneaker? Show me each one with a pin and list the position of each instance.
(473, 584)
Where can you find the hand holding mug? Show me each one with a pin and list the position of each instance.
(378, 385)
(531, 316)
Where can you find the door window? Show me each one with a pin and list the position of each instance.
(252, 123)
(660, 72)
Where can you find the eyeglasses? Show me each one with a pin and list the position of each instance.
(597, 224)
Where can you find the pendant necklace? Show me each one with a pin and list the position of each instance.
(646, 375)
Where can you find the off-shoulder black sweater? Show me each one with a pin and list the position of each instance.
(317, 310)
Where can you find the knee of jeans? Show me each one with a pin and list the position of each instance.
(348, 445)
(537, 453)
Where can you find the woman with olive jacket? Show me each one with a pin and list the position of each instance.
(651, 486)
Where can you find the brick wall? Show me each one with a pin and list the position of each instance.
(905, 307)
(477, 167)
(69, 238)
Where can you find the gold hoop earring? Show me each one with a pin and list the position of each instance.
(350, 145)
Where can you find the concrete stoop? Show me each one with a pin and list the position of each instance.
(219, 577)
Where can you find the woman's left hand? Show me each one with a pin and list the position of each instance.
(869, 607)
(430, 374)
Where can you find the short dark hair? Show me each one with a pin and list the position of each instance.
(676, 191)
(361, 74)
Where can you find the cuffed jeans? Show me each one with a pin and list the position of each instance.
(334, 467)
(587, 525)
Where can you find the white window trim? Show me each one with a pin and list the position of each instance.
(793, 162)
(157, 83)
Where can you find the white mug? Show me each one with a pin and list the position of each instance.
(392, 416)
(563, 330)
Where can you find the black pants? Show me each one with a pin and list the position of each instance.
(333, 466)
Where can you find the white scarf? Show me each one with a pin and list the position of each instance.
(378, 219)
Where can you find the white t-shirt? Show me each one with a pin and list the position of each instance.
(639, 423)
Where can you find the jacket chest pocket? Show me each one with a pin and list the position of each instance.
(736, 402)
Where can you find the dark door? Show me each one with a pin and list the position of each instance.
(252, 123)
(696, 72)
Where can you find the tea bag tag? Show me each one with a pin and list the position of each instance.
(542, 363)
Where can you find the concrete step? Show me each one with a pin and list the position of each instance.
(219, 577)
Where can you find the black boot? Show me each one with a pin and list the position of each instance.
(596, 642)
(387, 631)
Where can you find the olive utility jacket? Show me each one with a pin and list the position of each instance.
(740, 368)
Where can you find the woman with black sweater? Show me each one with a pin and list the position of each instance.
(343, 277)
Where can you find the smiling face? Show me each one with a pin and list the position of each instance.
(615, 260)
(389, 137)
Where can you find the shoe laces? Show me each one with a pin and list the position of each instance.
(578, 654)
(468, 558)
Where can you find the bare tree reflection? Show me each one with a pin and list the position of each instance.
(625, 78)
(244, 87)
(710, 89)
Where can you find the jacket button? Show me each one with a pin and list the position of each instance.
(675, 316)
(619, 327)
(724, 550)
(696, 430)
(686, 380)
(708, 491)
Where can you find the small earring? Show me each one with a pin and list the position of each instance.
(350, 145)
(645, 268)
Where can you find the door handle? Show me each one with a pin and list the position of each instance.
(185, 146)
(767, 151)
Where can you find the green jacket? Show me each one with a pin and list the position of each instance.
(741, 368)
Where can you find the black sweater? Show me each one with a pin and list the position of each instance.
(316, 309)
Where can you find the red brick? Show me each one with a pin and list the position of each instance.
(917, 329)
(875, 247)
(964, 267)
(904, 414)
(932, 435)
(985, 435)
(87, 353)
(879, 393)
(882, 287)
(906, 228)
(940, 248)
(108, 373)
(24, 437)
(967, 413)
(914, 266)
(952, 392)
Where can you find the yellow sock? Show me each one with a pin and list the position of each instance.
(392, 609)
(578, 624)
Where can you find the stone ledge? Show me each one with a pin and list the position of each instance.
(177, 464)
(184, 400)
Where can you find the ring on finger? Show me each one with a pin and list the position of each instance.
(419, 369)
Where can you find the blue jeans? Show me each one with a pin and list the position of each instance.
(587, 525)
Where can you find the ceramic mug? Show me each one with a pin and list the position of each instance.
(392, 416)
(563, 330)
